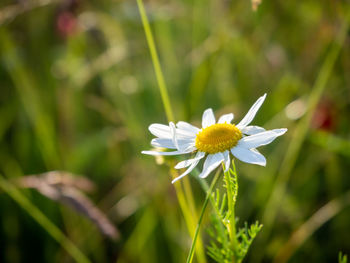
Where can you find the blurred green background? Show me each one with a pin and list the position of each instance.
(78, 91)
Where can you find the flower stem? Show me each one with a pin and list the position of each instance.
(190, 254)
(231, 187)
(189, 217)
(155, 60)
(200, 251)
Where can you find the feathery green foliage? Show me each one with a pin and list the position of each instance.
(227, 245)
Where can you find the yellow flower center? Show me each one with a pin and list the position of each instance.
(218, 138)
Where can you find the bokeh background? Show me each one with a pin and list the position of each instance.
(78, 91)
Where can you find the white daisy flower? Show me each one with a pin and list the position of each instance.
(214, 140)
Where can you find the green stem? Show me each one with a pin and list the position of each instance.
(39, 217)
(231, 199)
(200, 251)
(190, 254)
(189, 218)
(155, 60)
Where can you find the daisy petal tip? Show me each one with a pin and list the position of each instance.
(208, 112)
(203, 176)
(226, 118)
(176, 179)
(150, 153)
(262, 163)
(251, 113)
(178, 166)
(281, 131)
(208, 118)
(153, 126)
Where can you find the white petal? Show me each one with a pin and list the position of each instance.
(249, 156)
(212, 161)
(189, 146)
(168, 153)
(173, 135)
(226, 118)
(188, 162)
(164, 131)
(250, 130)
(260, 139)
(163, 143)
(251, 113)
(193, 165)
(185, 134)
(208, 118)
(227, 160)
(160, 130)
(168, 143)
(180, 144)
(181, 125)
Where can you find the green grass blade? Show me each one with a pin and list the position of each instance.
(42, 220)
(155, 60)
(301, 131)
(207, 197)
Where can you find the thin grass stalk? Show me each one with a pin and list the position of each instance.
(137, 242)
(207, 197)
(25, 85)
(191, 205)
(155, 59)
(42, 220)
(318, 219)
(189, 218)
(300, 133)
(302, 128)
